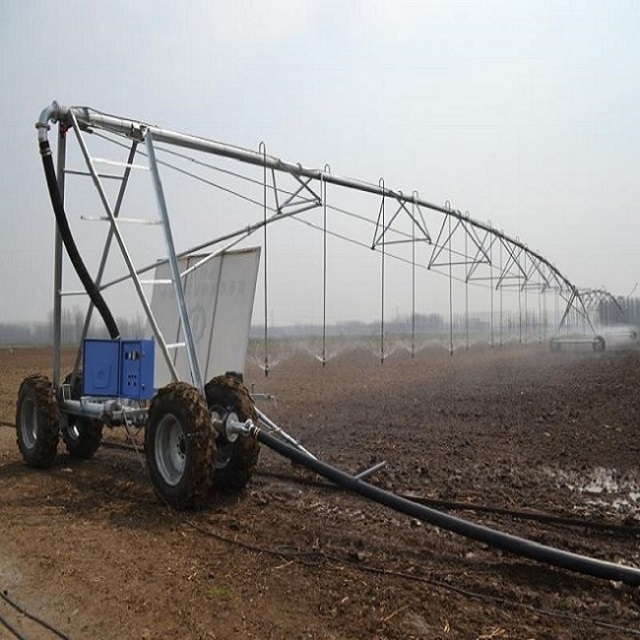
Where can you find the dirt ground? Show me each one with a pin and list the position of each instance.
(490, 435)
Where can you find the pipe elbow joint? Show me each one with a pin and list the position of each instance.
(54, 113)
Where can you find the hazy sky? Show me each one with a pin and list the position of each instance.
(524, 113)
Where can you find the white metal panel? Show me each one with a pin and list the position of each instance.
(219, 297)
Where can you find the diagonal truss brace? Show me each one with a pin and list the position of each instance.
(121, 243)
(381, 231)
(295, 202)
(541, 271)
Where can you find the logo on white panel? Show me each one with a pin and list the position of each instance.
(198, 322)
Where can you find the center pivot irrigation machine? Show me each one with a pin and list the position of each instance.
(183, 383)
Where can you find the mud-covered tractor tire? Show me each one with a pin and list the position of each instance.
(82, 436)
(235, 461)
(37, 421)
(179, 446)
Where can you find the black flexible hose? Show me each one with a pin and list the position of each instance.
(11, 629)
(25, 613)
(498, 539)
(70, 245)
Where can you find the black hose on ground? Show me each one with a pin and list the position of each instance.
(507, 542)
(70, 245)
(24, 612)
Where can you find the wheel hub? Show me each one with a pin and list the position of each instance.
(171, 450)
(29, 423)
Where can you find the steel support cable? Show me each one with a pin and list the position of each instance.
(322, 177)
(276, 210)
(481, 250)
(294, 196)
(515, 250)
(480, 256)
(438, 248)
(245, 233)
(463, 259)
(536, 268)
(236, 237)
(211, 183)
(386, 227)
(388, 254)
(92, 119)
(359, 243)
(507, 542)
(190, 174)
(213, 167)
(279, 209)
(362, 218)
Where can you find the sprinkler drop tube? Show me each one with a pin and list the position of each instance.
(507, 542)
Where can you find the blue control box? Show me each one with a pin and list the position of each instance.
(136, 369)
(101, 369)
(119, 368)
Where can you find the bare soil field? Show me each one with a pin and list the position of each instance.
(543, 445)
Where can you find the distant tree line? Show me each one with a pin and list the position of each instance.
(624, 311)
(609, 312)
(18, 333)
(424, 323)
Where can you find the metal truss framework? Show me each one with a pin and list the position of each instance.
(594, 299)
(456, 245)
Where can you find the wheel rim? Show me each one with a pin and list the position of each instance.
(73, 432)
(224, 451)
(171, 450)
(29, 423)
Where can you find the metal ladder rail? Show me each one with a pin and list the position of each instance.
(128, 166)
(107, 245)
(196, 377)
(123, 249)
